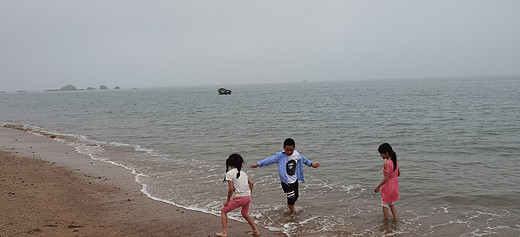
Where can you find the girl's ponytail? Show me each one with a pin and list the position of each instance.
(384, 148)
(239, 168)
(238, 163)
(394, 159)
(227, 168)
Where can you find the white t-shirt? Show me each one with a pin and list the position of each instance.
(241, 185)
(292, 160)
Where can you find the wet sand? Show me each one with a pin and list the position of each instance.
(48, 189)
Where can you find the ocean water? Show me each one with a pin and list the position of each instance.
(457, 143)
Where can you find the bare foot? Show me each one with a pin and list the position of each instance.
(223, 234)
(292, 211)
(254, 233)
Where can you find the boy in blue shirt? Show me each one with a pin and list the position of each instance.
(290, 170)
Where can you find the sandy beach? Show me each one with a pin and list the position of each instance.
(48, 189)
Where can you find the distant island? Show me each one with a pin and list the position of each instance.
(73, 88)
(68, 88)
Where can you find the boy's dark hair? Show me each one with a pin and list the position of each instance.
(234, 160)
(289, 142)
(384, 148)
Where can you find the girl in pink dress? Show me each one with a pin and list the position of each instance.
(390, 185)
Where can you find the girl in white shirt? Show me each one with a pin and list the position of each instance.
(241, 186)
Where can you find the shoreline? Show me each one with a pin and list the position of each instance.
(49, 189)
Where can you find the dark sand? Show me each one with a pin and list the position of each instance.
(48, 189)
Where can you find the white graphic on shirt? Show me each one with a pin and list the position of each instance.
(292, 160)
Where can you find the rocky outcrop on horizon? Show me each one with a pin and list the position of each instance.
(73, 88)
(68, 88)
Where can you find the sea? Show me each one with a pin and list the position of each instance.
(457, 143)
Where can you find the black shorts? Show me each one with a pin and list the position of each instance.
(291, 191)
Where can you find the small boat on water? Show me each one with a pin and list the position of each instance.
(224, 91)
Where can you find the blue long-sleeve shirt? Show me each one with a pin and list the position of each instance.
(281, 159)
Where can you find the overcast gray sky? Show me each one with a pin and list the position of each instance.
(129, 43)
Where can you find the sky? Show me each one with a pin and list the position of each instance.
(165, 43)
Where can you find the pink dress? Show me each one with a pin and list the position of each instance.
(390, 190)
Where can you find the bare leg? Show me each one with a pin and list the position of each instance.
(385, 213)
(251, 222)
(394, 211)
(223, 217)
(291, 210)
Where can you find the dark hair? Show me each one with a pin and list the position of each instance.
(234, 160)
(289, 142)
(384, 148)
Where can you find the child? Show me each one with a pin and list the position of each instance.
(390, 184)
(242, 186)
(290, 170)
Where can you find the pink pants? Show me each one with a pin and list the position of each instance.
(236, 203)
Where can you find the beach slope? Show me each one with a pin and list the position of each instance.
(48, 189)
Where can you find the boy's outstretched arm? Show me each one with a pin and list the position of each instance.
(307, 161)
(266, 161)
